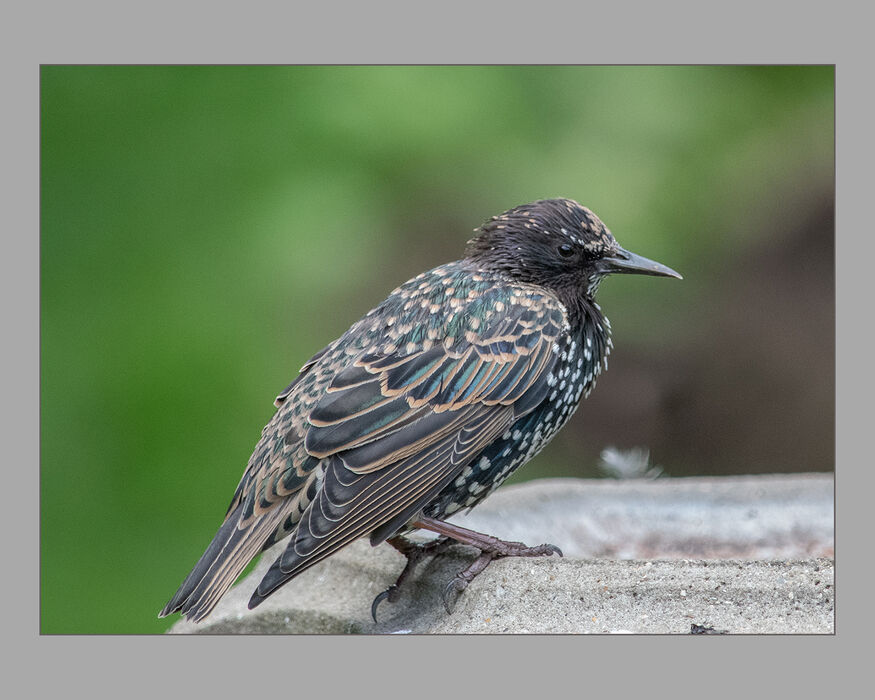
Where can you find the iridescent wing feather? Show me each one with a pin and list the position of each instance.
(396, 429)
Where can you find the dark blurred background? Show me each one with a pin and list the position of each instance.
(206, 229)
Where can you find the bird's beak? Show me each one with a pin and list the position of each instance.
(624, 261)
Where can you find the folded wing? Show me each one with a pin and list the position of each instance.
(394, 429)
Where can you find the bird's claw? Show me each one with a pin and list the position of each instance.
(551, 549)
(452, 591)
(390, 594)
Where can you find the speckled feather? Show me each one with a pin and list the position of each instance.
(423, 407)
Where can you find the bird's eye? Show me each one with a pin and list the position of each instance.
(566, 251)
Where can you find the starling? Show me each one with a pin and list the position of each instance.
(425, 406)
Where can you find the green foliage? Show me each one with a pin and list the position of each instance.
(204, 230)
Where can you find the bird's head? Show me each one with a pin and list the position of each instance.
(558, 244)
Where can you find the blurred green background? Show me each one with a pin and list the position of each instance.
(206, 229)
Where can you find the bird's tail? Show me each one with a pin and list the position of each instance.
(234, 545)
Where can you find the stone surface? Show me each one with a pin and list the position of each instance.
(742, 517)
(741, 554)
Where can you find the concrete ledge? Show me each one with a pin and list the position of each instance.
(739, 517)
(741, 554)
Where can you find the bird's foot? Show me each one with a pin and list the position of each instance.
(414, 553)
(518, 549)
(490, 548)
(461, 580)
(508, 549)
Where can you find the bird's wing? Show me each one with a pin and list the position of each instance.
(393, 428)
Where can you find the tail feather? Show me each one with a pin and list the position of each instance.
(227, 555)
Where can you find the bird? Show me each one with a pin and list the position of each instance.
(425, 406)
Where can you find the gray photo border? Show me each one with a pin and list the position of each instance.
(201, 32)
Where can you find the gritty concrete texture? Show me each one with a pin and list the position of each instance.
(740, 555)
(739, 517)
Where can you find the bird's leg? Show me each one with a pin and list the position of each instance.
(490, 548)
(414, 553)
